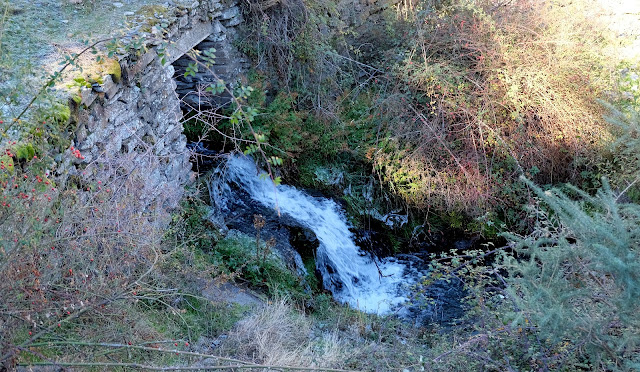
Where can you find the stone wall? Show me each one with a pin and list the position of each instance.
(228, 66)
(139, 115)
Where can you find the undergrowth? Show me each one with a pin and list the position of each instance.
(469, 97)
(488, 93)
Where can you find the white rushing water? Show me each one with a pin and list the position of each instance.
(351, 275)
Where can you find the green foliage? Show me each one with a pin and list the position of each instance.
(578, 282)
(25, 151)
(564, 297)
(216, 88)
(237, 254)
(622, 165)
(280, 121)
(195, 130)
(191, 70)
(194, 317)
(629, 87)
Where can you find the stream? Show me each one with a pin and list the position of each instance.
(358, 278)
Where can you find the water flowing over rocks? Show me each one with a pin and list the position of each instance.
(361, 279)
(138, 114)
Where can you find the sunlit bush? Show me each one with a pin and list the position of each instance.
(493, 91)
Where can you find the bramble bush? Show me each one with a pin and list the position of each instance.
(76, 258)
(489, 92)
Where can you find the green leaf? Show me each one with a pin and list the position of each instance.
(251, 149)
(25, 151)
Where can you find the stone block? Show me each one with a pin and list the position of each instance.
(110, 87)
(128, 146)
(188, 40)
(142, 63)
(229, 13)
(184, 21)
(96, 119)
(88, 143)
(81, 133)
(218, 28)
(234, 21)
(219, 38)
(206, 45)
(87, 96)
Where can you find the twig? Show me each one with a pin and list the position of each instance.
(52, 79)
(627, 188)
(441, 141)
(356, 62)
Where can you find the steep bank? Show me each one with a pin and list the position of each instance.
(87, 255)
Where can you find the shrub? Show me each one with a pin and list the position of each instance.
(579, 281)
(253, 260)
(76, 258)
(622, 164)
(490, 92)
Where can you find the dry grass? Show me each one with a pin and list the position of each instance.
(277, 334)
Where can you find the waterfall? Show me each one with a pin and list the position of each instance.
(365, 283)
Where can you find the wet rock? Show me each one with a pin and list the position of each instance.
(202, 158)
(241, 213)
(374, 242)
(303, 240)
